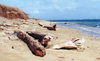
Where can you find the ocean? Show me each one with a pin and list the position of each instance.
(90, 27)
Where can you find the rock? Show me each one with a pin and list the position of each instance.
(12, 47)
(2, 34)
(65, 23)
(98, 58)
(1, 29)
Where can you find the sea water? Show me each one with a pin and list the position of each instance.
(90, 27)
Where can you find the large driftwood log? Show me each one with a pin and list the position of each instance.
(35, 47)
(42, 38)
(36, 35)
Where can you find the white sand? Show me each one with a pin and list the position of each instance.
(22, 53)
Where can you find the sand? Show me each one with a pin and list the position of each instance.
(13, 49)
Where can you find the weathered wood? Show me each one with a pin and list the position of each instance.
(42, 38)
(40, 25)
(51, 28)
(65, 45)
(35, 47)
(36, 35)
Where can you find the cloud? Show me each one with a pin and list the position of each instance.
(43, 6)
(66, 6)
(54, 1)
(32, 11)
(35, 11)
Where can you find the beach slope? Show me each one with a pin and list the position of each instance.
(13, 49)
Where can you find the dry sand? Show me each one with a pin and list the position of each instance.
(13, 49)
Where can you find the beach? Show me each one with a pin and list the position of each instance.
(89, 27)
(13, 49)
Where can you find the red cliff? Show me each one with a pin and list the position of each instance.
(12, 13)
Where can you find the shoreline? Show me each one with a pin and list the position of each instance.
(79, 32)
(72, 27)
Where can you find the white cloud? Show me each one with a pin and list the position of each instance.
(32, 11)
(68, 6)
(35, 11)
(60, 5)
(55, 1)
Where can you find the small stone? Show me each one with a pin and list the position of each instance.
(73, 59)
(98, 58)
(65, 23)
(87, 46)
(12, 47)
(61, 57)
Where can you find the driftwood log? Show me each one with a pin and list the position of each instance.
(42, 38)
(36, 35)
(51, 28)
(35, 47)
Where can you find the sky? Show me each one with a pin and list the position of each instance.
(57, 9)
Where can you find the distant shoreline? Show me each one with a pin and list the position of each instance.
(84, 20)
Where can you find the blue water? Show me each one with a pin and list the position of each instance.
(90, 27)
